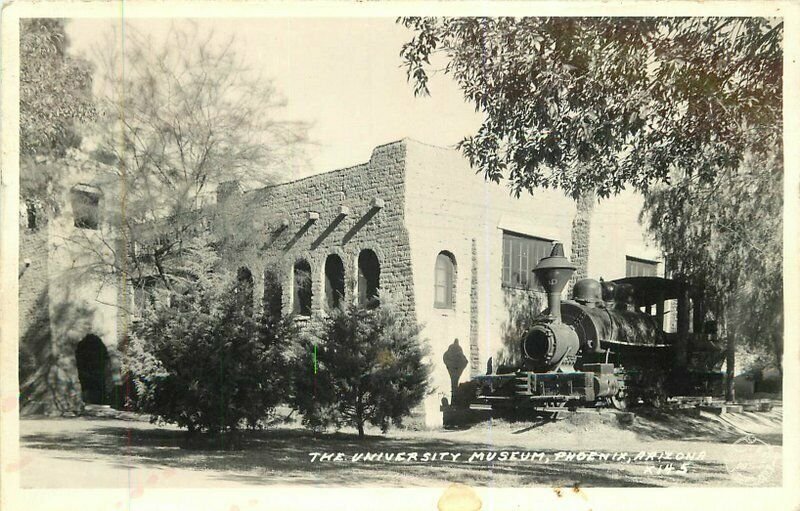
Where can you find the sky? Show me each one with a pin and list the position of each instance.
(344, 76)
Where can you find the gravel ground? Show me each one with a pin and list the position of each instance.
(582, 450)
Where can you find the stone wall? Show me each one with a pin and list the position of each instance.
(341, 212)
(60, 301)
(33, 247)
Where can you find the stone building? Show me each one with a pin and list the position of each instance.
(448, 248)
(415, 224)
(69, 319)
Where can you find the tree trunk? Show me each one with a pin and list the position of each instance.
(777, 344)
(581, 229)
(360, 415)
(730, 360)
(682, 339)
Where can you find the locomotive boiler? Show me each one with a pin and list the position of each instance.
(605, 345)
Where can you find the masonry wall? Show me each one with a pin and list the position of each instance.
(372, 195)
(60, 301)
(33, 248)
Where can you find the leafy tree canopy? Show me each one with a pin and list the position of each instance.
(185, 116)
(55, 89)
(598, 104)
(686, 110)
(55, 98)
(726, 237)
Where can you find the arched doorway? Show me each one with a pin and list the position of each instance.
(94, 371)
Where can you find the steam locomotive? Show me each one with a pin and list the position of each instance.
(604, 346)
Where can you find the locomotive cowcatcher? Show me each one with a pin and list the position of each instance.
(604, 346)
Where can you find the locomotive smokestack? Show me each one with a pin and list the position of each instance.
(553, 273)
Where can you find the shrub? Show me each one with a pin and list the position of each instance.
(203, 361)
(360, 365)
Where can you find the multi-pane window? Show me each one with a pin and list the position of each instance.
(444, 281)
(520, 255)
(635, 267)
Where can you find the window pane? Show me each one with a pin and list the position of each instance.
(515, 262)
(506, 260)
(440, 297)
(640, 267)
(520, 256)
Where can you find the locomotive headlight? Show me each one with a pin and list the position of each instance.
(546, 344)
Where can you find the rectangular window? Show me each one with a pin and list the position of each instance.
(521, 254)
(86, 209)
(635, 267)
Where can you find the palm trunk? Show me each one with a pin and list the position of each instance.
(581, 229)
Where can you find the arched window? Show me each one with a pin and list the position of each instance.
(244, 290)
(445, 281)
(302, 288)
(273, 297)
(334, 281)
(369, 276)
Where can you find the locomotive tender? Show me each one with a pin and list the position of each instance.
(604, 346)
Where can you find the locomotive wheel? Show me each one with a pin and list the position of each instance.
(619, 401)
(658, 399)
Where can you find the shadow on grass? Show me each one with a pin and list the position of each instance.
(281, 457)
(693, 426)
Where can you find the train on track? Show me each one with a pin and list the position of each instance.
(605, 346)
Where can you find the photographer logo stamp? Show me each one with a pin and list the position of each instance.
(757, 462)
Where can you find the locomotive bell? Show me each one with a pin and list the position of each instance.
(553, 273)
